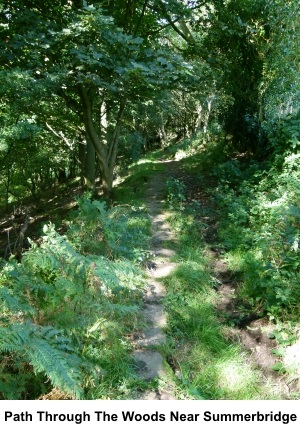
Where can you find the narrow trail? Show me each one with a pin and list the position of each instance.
(149, 361)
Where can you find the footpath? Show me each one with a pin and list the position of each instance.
(150, 363)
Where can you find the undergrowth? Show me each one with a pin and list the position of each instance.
(259, 227)
(207, 363)
(255, 214)
(68, 307)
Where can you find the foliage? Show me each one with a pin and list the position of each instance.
(176, 197)
(260, 222)
(86, 64)
(86, 86)
(115, 232)
(280, 86)
(208, 365)
(63, 311)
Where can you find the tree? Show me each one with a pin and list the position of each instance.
(234, 45)
(78, 53)
(280, 84)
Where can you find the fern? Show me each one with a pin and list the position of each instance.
(47, 351)
(57, 291)
(10, 303)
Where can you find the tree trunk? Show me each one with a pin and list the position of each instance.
(106, 152)
(81, 158)
(89, 166)
(207, 116)
(198, 119)
(87, 160)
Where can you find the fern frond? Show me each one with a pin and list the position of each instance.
(14, 304)
(62, 369)
(43, 347)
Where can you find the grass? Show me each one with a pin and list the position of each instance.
(209, 365)
(131, 188)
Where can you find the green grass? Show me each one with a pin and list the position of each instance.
(209, 364)
(131, 188)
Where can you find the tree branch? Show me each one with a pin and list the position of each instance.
(178, 31)
(71, 103)
(60, 135)
(140, 18)
(185, 32)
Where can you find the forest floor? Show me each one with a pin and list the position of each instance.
(158, 355)
(252, 334)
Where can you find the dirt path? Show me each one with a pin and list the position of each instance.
(150, 362)
(253, 335)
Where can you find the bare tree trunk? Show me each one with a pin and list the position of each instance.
(81, 157)
(198, 118)
(207, 116)
(90, 166)
(114, 143)
(106, 152)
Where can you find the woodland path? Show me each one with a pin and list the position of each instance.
(150, 362)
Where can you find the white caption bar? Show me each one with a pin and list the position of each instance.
(132, 414)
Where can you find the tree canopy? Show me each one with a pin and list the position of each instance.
(73, 73)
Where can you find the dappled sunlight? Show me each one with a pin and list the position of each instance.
(233, 376)
(145, 161)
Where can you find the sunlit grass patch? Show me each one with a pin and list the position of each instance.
(207, 360)
(226, 375)
(235, 260)
(191, 276)
(132, 188)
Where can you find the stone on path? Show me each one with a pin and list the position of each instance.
(149, 364)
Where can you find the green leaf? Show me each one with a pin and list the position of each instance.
(278, 352)
(278, 367)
